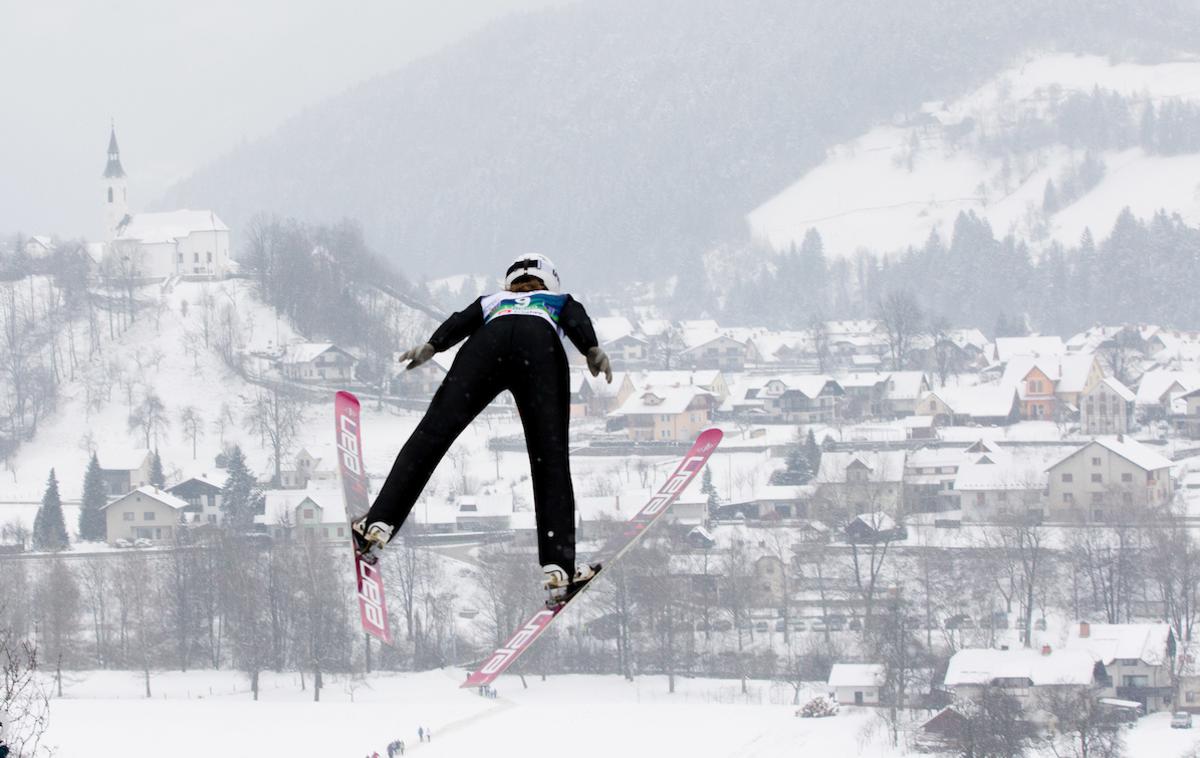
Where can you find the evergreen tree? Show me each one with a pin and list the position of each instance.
(157, 477)
(49, 529)
(1050, 198)
(241, 498)
(91, 518)
(813, 452)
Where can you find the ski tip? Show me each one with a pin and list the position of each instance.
(710, 437)
(346, 395)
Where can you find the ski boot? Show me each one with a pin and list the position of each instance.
(561, 589)
(369, 540)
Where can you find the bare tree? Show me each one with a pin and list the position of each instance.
(1081, 727)
(902, 321)
(149, 417)
(192, 425)
(818, 329)
(24, 700)
(1018, 545)
(277, 415)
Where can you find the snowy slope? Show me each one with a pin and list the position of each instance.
(890, 187)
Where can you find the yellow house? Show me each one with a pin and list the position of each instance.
(667, 414)
(146, 513)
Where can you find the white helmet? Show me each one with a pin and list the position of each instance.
(533, 265)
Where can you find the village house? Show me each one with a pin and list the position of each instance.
(1024, 674)
(620, 340)
(1106, 479)
(317, 362)
(861, 482)
(857, 683)
(791, 398)
(1107, 408)
(996, 484)
(984, 405)
(864, 394)
(710, 380)
(929, 478)
(670, 414)
(320, 513)
(1190, 422)
(712, 350)
(1160, 392)
(1051, 387)
(203, 498)
(307, 467)
(602, 397)
(1139, 659)
(123, 469)
(1007, 348)
(145, 513)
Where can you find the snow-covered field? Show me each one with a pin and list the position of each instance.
(866, 193)
(210, 713)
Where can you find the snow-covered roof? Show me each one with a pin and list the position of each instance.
(877, 521)
(609, 328)
(281, 505)
(1001, 471)
(857, 675)
(809, 385)
(1119, 388)
(169, 226)
(1156, 383)
(1009, 347)
(905, 385)
(665, 400)
(982, 666)
(881, 465)
(978, 401)
(1108, 642)
(678, 378)
(154, 493)
(303, 352)
(1128, 448)
(861, 379)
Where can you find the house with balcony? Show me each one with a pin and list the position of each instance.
(984, 404)
(1108, 480)
(1051, 387)
(145, 513)
(317, 363)
(1024, 674)
(790, 398)
(317, 512)
(1139, 659)
(666, 414)
(203, 497)
(123, 469)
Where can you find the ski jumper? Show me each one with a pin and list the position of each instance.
(514, 343)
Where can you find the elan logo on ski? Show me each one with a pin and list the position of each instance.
(372, 601)
(524, 637)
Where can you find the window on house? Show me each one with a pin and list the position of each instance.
(110, 194)
(195, 257)
(1068, 477)
(209, 256)
(127, 516)
(1098, 478)
(1097, 497)
(308, 513)
(1098, 514)
(148, 516)
(1126, 477)
(1002, 496)
(1095, 461)
(1127, 498)
(1068, 497)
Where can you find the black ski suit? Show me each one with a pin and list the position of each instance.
(515, 343)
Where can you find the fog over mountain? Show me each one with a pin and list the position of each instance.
(632, 132)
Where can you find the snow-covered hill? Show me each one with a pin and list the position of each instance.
(890, 187)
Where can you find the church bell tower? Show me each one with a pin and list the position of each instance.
(116, 197)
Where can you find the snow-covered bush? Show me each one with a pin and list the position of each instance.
(819, 707)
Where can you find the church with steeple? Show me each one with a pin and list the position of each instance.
(193, 244)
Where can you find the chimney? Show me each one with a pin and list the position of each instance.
(1084, 630)
(1045, 650)
(1120, 438)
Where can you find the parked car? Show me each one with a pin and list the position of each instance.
(123, 543)
(1181, 720)
(855, 625)
(761, 626)
(799, 625)
(835, 625)
(818, 625)
(780, 625)
(142, 542)
(722, 625)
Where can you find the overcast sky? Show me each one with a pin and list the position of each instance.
(184, 83)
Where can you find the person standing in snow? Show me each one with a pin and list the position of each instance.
(514, 341)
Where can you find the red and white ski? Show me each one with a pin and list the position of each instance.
(372, 603)
(613, 549)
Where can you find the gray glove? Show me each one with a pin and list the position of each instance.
(597, 361)
(417, 355)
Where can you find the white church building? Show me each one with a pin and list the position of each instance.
(187, 243)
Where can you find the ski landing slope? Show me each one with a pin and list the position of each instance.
(106, 714)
